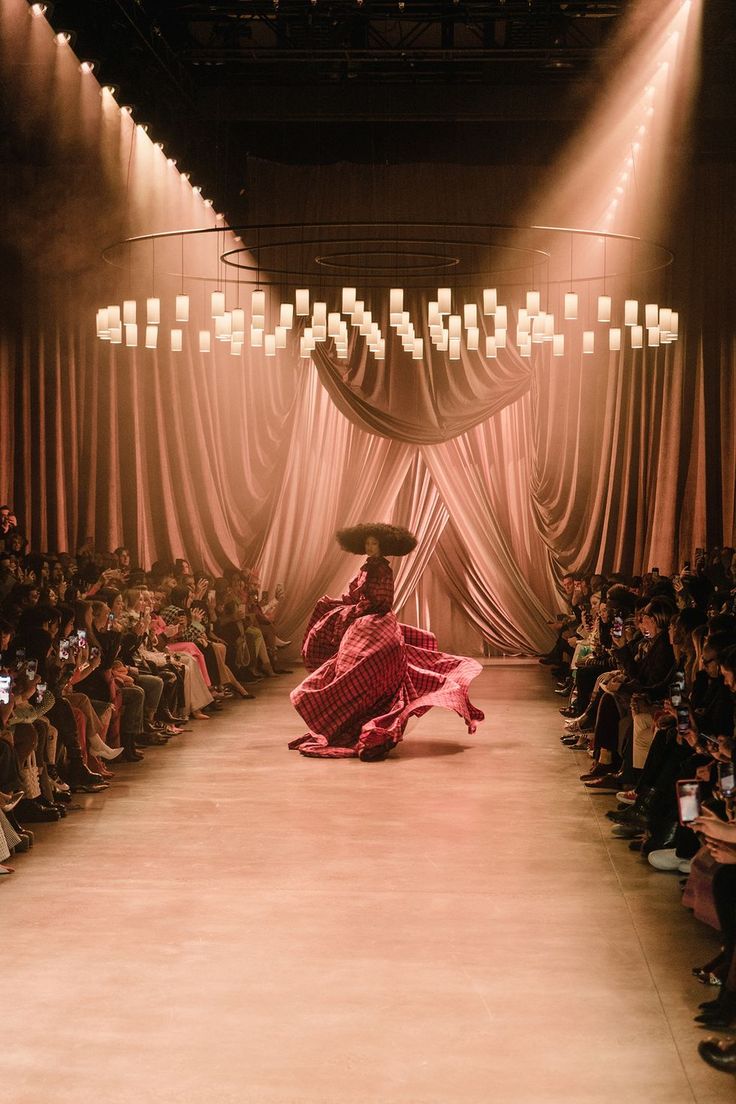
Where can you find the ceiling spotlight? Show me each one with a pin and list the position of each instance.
(63, 38)
(37, 10)
(109, 89)
(185, 175)
(171, 161)
(126, 109)
(88, 66)
(196, 188)
(208, 203)
(143, 127)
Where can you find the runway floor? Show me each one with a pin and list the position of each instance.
(232, 923)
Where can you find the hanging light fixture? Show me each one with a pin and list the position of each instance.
(182, 308)
(588, 341)
(571, 306)
(151, 337)
(131, 335)
(153, 311)
(205, 341)
(490, 301)
(302, 302)
(614, 339)
(604, 308)
(631, 312)
(637, 337)
(176, 341)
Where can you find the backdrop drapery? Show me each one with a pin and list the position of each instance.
(617, 461)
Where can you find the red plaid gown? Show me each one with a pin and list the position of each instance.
(370, 674)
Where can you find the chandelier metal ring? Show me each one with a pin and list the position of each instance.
(646, 257)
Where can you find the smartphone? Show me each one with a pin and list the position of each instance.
(64, 648)
(82, 637)
(94, 652)
(617, 628)
(688, 799)
(727, 778)
(654, 571)
(20, 655)
(40, 691)
(683, 719)
(686, 567)
(110, 621)
(675, 695)
(6, 681)
(32, 668)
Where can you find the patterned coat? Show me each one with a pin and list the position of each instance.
(370, 674)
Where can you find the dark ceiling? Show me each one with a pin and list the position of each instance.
(369, 80)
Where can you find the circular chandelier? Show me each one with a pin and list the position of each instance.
(450, 287)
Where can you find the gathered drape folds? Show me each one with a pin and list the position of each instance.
(420, 403)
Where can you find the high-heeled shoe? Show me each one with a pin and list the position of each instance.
(719, 1053)
(722, 1015)
(102, 750)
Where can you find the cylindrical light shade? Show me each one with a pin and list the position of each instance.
(257, 302)
(113, 317)
(473, 337)
(500, 337)
(280, 337)
(129, 309)
(614, 339)
(356, 316)
(470, 315)
(176, 341)
(675, 323)
(151, 337)
(319, 314)
(588, 341)
(418, 352)
(665, 319)
(116, 334)
(651, 315)
(455, 326)
(153, 311)
(523, 321)
(653, 337)
(308, 338)
(549, 327)
(538, 323)
(454, 347)
(238, 321)
(434, 318)
(258, 321)
(223, 326)
(269, 345)
(256, 337)
(320, 332)
(103, 323)
(286, 315)
(558, 345)
(631, 312)
(571, 306)
(502, 317)
(348, 300)
(205, 341)
(131, 335)
(366, 324)
(304, 349)
(396, 300)
(490, 300)
(444, 300)
(491, 347)
(302, 302)
(525, 349)
(637, 337)
(604, 308)
(217, 300)
(236, 348)
(532, 303)
(182, 308)
(333, 325)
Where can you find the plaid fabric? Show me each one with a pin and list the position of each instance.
(375, 674)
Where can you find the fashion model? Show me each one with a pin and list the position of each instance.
(370, 674)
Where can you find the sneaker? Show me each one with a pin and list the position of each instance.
(684, 866)
(665, 859)
(627, 797)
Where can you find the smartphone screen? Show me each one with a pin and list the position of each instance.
(683, 719)
(63, 650)
(40, 691)
(727, 779)
(6, 682)
(32, 668)
(675, 695)
(82, 637)
(617, 628)
(688, 800)
(20, 654)
(110, 620)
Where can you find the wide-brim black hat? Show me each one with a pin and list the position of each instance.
(393, 539)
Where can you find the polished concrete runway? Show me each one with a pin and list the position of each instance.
(232, 923)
